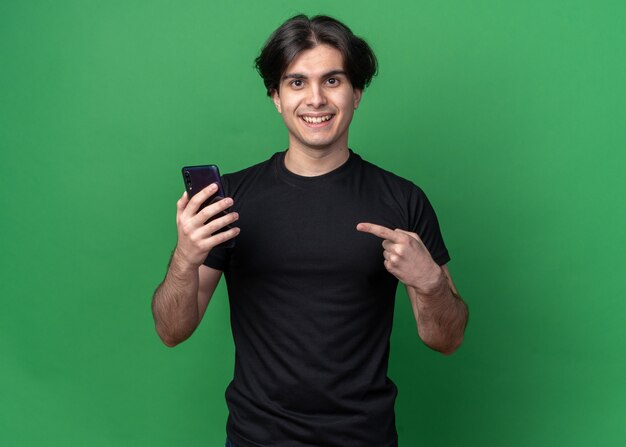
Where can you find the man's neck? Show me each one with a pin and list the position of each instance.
(313, 162)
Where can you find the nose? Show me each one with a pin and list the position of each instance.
(316, 96)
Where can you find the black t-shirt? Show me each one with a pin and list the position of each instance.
(311, 303)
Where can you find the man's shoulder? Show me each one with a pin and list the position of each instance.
(232, 180)
(388, 177)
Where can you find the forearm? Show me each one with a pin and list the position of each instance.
(175, 302)
(441, 316)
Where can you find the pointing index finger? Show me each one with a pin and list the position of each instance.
(377, 230)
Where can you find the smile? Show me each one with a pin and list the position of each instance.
(316, 119)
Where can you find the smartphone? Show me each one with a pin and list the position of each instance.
(197, 178)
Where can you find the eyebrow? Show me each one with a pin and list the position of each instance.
(325, 75)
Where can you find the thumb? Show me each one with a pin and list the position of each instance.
(182, 203)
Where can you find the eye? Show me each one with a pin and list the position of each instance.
(297, 83)
(332, 81)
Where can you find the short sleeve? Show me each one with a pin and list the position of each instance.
(423, 221)
(217, 258)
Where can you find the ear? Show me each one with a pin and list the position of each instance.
(276, 100)
(358, 93)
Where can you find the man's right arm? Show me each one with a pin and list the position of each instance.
(180, 301)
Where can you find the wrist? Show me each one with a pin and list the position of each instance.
(181, 262)
(432, 284)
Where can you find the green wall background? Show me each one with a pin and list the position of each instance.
(509, 114)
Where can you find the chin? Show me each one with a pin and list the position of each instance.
(320, 143)
(319, 146)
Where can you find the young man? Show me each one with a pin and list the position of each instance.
(311, 289)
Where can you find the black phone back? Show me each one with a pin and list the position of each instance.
(197, 178)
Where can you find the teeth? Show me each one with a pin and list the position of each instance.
(317, 119)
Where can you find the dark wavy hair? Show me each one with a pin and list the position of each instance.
(300, 33)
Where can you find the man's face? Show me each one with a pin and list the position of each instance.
(316, 100)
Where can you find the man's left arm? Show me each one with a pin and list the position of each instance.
(440, 313)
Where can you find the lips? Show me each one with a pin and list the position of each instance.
(317, 120)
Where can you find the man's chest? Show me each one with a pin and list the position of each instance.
(289, 229)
